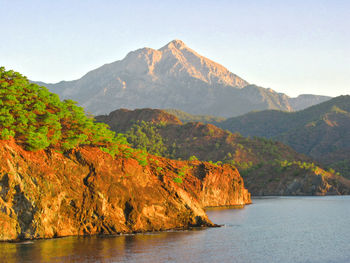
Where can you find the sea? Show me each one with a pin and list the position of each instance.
(272, 229)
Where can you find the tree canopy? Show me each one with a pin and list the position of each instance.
(38, 119)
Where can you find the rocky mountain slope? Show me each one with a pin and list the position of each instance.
(176, 77)
(321, 131)
(268, 167)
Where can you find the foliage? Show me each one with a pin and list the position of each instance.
(218, 163)
(38, 119)
(302, 165)
(279, 167)
(145, 135)
(240, 164)
(193, 158)
(187, 117)
(343, 166)
(141, 157)
(181, 173)
(178, 180)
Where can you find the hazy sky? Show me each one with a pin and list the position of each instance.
(294, 47)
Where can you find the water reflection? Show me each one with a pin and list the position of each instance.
(289, 230)
(91, 249)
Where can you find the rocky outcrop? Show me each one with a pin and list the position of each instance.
(212, 185)
(217, 187)
(47, 194)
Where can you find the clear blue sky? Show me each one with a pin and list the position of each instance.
(293, 47)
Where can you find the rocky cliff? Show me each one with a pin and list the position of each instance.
(46, 194)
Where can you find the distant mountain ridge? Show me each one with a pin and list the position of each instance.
(321, 131)
(299, 102)
(175, 77)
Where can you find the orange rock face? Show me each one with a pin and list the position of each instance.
(48, 194)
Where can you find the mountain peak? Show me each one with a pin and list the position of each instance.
(174, 76)
(176, 43)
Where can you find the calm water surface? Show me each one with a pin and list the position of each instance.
(287, 229)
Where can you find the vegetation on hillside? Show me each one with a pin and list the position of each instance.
(321, 131)
(206, 142)
(145, 135)
(187, 117)
(271, 123)
(38, 119)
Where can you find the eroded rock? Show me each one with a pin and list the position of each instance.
(46, 194)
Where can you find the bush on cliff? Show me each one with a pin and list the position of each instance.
(38, 119)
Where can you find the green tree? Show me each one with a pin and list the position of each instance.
(38, 119)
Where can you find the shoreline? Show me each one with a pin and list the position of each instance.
(180, 229)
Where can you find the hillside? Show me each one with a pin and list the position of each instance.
(321, 131)
(186, 117)
(122, 122)
(63, 174)
(172, 77)
(268, 167)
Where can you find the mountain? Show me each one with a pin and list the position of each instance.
(175, 77)
(321, 131)
(268, 167)
(306, 100)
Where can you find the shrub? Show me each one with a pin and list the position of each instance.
(178, 180)
(193, 158)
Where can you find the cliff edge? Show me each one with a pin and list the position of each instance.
(46, 193)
